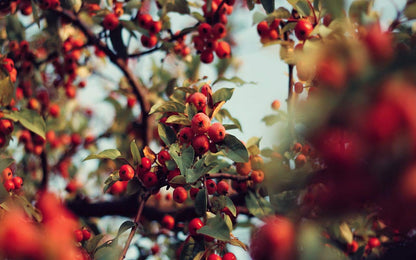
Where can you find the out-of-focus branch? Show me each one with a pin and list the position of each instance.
(227, 176)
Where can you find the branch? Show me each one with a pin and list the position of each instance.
(291, 121)
(228, 176)
(45, 171)
(139, 91)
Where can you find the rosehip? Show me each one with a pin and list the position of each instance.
(257, 176)
(144, 20)
(193, 192)
(276, 105)
(126, 172)
(7, 174)
(263, 29)
(204, 29)
(9, 185)
(243, 168)
(207, 57)
(173, 173)
(86, 234)
(219, 31)
(199, 100)
(79, 235)
(373, 242)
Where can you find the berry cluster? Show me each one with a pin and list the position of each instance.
(11, 183)
(153, 27)
(82, 235)
(268, 32)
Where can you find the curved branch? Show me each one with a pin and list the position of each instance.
(139, 90)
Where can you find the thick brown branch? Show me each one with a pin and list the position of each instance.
(45, 171)
(139, 91)
(227, 176)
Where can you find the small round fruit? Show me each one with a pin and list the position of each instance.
(155, 27)
(148, 41)
(216, 132)
(303, 29)
(185, 135)
(214, 257)
(6, 126)
(276, 105)
(223, 50)
(263, 29)
(211, 186)
(256, 162)
(199, 100)
(257, 176)
(243, 168)
(54, 110)
(194, 225)
(78, 235)
(7, 174)
(229, 256)
(145, 164)
(300, 160)
(118, 187)
(200, 123)
(193, 192)
(223, 187)
(149, 179)
(9, 185)
(219, 30)
(200, 143)
(207, 57)
(18, 182)
(180, 195)
(173, 173)
(373, 242)
(352, 247)
(86, 234)
(297, 147)
(168, 222)
(205, 29)
(144, 20)
(163, 156)
(126, 172)
(298, 87)
(110, 21)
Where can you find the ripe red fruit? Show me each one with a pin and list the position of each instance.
(298, 87)
(155, 249)
(229, 256)
(373, 242)
(118, 187)
(263, 29)
(223, 50)
(7, 174)
(86, 234)
(148, 41)
(173, 173)
(9, 185)
(155, 27)
(200, 143)
(193, 192)
(378, 43)
(274, 240)
(6, 126)
(297, 147)
(144, 20)
(126, 172)
(276, 105)
(18, 182)
(303, 29)
(168, 222)
(223, 187)
(185, 135)
(210, 45)
(54, 110)
(206, 90)
(216, 132)
(131, 101)
(243, 168)
(257, 176)
(352, 247)
(214, 257)
(219, 31)
(207, 57)
(199, 100)
(145, 164)
(194, 225)
(163, 156)
(300, 160)
(8, 64)
(149, 179)
(205, 29)
(110, 21)
(79, 235)
(211, 186)
(180, 195)
(200, 123)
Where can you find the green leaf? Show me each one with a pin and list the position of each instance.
(410, 10)
(234, 149)
(222, 94)
(183, 158)
(198, 16)
(259, 207)
(169, 106)
(201, 202)
(28, 207)
(284, 201)
(166, 133)
(258, 17)
(107, 253)
(35, 12)
(14, 28)
(334, 7)
(91, 244)
(279, 13)
(301, 6)
(133, 186)
(135, 153)
(230, 205)
(179, 6)
(30, 119)
(178, 180)
(236, 242)
(4, 195)
(216, 228)
(192, 249)
(180, 119)
(106, 154)
(225, 113)
(268, 5)
(271, 119)
(6, 88)
(234, 79)
(125, 226)
(230, 126)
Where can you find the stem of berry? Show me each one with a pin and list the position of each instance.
(313, 11)
(291, 122)
(134, 228)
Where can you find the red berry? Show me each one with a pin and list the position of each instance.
(216, 132)
(276, 105)
(148, 41)
(373, 242)
(79, 235)
(206, 90)
(168, 222)
(200, 143)
(9, 185)
(54, 110)
(18, 182)
(200, 123)
(155, 249)
(199, 100)
(219, 31)
(194, 225)
(352, 247)
(6, 126)
(205, 30)
(163, 156)
(185, 135)
(7, 174)
(229, 256)
(144, 20)
(300, 160)
(207, 57)
(118, 187)
(303, 29)
(223, 50)
(173, 173)
(223, 187)
(298, 87)
(110, 21)
(8, 64)
(86, 234)
(145, 164)
(155, 27)
(263, 29)
(126, 172)
(211, 186)
(149, 179)
(193, 192)
(180, 195)
(214, 257)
